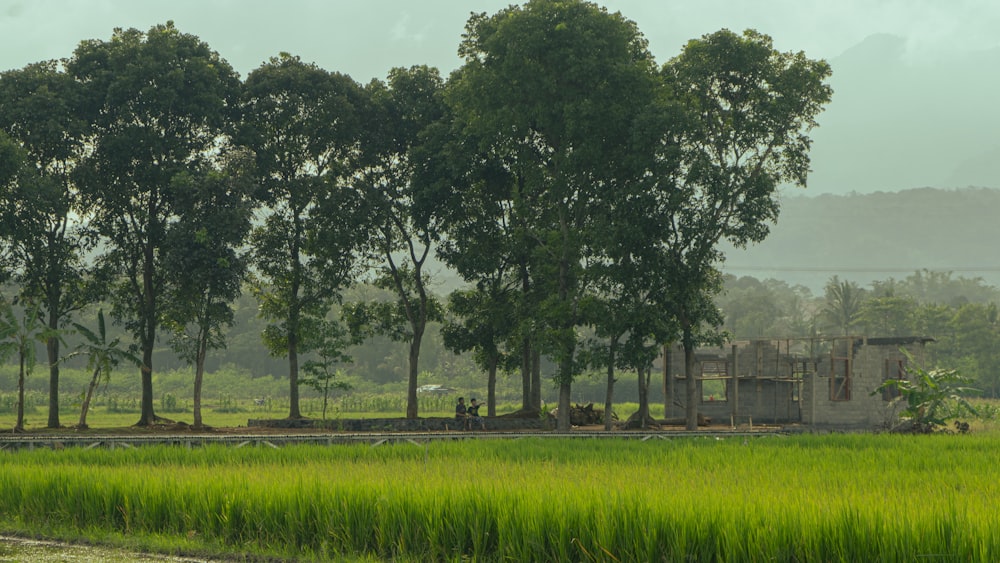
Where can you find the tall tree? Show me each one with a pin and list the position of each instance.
(482, 240)
(42, 213)
(160, 103)
(204, 262)
(303, 125)
(747, 110)
(483, 322)
(555, 88)
(404, 224)
(632, 314)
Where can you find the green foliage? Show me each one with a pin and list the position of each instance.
(11, 160)
(843, 304)
(931, 397)
(103, 355)
(322, 373)
(45, 242)
(302, 123)
(554, 97)
(159, 104)
(19, 336)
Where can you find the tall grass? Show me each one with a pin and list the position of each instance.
(846, 498)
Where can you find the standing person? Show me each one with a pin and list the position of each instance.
(473, 413)
(462, 412)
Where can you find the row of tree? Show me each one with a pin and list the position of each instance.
(561, 172)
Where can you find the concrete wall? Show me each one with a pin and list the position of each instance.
(869, 365)
(781, 381)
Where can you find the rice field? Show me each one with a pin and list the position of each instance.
(799, 498)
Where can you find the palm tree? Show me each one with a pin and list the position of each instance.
(843, 304)
(20, 337)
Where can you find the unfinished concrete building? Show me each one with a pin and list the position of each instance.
(820, 382)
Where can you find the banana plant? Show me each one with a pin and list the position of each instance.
(932, 397)
(103, 355)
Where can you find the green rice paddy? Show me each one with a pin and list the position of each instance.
(798, 498)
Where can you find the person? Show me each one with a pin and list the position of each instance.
(462, 413)
(473, 412)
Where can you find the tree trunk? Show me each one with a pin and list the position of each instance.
(86, 399)
(491, 386)
(147, 416)
(294, 307)
(293, 378)
(609, 393)
(52, 349)
(690, 385)
(643, 379)
(667, 398)
(293, 354)
(199, 376)
(562, 421)
(536, 380)
(526, 388)
(19, 426)
(411, 388)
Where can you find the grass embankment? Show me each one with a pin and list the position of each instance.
(807, 498)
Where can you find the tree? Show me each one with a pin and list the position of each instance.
(630, 309)
(303, 124)
(484, 242)
(976, 343)
(404, 225)
(888, 315)
(555, 90)
(751, 308)
(745, 110)
(160, 103)
(204, 264)
(103, 356)
(483, 321)
(41, 214)
(18, 336)
(843, 304)
(322, 373)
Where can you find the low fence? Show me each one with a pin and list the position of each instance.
(432, 424)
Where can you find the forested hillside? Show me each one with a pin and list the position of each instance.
(866, 237)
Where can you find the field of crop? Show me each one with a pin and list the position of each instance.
(800, 498)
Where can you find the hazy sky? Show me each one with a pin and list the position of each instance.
(366, 38)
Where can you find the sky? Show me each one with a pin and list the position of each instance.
(367, 38)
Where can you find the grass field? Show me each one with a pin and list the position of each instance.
(801, 498)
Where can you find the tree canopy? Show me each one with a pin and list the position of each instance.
(158, 103)
(576, 185)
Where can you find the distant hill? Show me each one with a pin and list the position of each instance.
(897, 122)
(877, 236)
